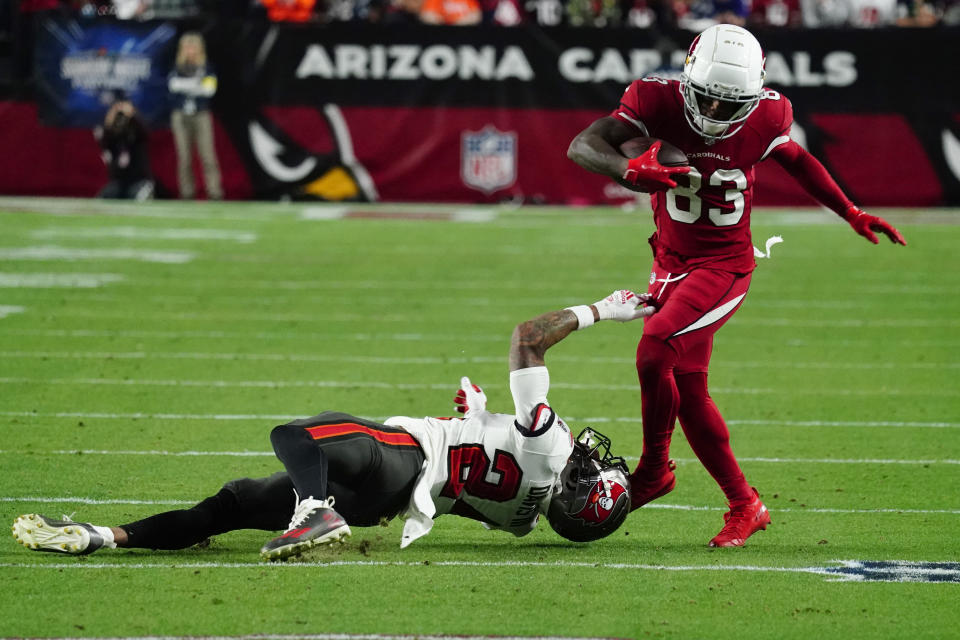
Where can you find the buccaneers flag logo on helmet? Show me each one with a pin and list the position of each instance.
(600, 502)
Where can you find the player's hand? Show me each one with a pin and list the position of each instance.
(865, 224)
(470, 398)
(624, 306)
(646, 172)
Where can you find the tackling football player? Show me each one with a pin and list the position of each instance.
(502, 469)
(721, 116)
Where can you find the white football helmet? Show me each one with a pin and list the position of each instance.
(722, 81)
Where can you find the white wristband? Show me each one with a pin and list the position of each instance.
(584, 315)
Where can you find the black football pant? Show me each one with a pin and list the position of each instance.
(370, 469)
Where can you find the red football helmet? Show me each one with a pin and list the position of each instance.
(592, 497)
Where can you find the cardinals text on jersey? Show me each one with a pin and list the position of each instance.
(706, 218)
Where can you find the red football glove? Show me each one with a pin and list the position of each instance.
(470, 398)
(646, 172)
(865, 224)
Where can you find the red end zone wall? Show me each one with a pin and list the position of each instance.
(418, 154)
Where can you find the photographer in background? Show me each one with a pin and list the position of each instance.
(123, 141)
(191, 85)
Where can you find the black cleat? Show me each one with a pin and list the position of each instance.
(314, 523)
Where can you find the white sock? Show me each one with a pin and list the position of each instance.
(107, 534)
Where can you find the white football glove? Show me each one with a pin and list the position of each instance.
(624, 306)
(470, 399)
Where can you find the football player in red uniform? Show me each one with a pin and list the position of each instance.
(721, 116)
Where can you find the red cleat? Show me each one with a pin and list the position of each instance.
(644, 490)
(742, 521)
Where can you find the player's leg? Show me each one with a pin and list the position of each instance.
(691, 307)
(337, 459)
(710, 440)
(705, 428)
(264, 503)
(659, 400)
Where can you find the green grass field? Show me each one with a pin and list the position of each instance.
(146, 351)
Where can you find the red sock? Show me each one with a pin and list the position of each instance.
(709, 437)
(659, 401)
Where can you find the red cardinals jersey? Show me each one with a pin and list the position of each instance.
(705, 220)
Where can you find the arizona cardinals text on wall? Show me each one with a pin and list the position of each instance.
(412, 62)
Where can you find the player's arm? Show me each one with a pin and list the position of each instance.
(817, 181)
(596, 149)
(529, 378)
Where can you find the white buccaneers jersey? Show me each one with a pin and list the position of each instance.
(503, 472)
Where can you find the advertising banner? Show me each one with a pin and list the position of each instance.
(82, 67)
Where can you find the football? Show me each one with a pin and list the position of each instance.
(669, 156)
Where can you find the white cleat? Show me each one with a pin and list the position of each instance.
(41, 533)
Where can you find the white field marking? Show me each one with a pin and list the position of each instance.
(57, 280)
(830, 573)
(790, 423)
(840, 323)
(262, 335)
(629, 419)
(80, 500)
(93, 208)
(251, 316)
(370, 384)
(66, 254)
(146, 233)
(270, 454)
(149, 416)
(668, 507)
(248, 315)
(295, 357)
(342, 636)
(777, 509)
(473, 214)
(243, 300)
(323, 213)
(300, 336)
(9, 310)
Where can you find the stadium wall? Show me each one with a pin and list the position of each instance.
(479, 114)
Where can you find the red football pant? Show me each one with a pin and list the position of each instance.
(672, 360)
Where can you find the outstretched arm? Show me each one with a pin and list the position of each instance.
(532, 338)
(817, 181)
(529, 378)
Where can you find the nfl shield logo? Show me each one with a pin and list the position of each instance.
(488, 159)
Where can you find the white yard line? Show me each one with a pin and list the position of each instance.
(270, 454)
(9, 310)
(666, 507)
(468, 337)
(848, 570)
(371, 384)
(67, 254)
(146, 233)
(427, 360)
(10, 280)
(629, 419)
(339, 636)
(249, 316)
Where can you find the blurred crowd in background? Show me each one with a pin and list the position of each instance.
(693, 15)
